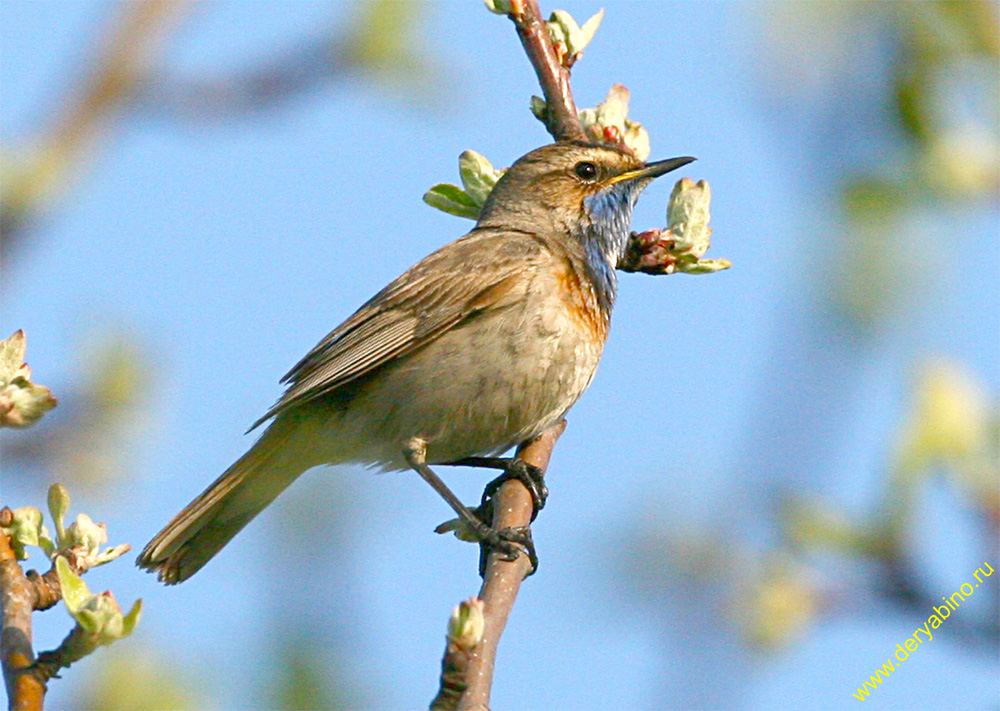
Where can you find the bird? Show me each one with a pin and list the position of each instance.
(482, 345)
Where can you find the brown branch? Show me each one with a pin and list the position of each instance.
(46, 588)
(124, 76)
(247, 91)
(454, 676)
(120, 63)
(379, 41)
(77, 645)
(512, 507)
(20, 595)
(561, 120)
(648, 252)
(17, 601)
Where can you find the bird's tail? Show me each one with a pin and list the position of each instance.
(209, 522)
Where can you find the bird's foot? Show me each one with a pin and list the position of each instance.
(531, 476)
(515, 468)
(507, 542)
(475, 525)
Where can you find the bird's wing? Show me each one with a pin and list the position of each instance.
(478, 272)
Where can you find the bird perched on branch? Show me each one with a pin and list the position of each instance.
(484, 344)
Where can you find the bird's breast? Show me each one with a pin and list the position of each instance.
(582, 301)
(496, 380)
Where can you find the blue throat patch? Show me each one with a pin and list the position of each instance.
(610, 214)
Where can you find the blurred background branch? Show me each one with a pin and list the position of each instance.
(35, 173)
(128, 75)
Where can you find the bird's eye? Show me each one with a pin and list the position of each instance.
(585, 170)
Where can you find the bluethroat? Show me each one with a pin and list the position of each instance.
(484, 344)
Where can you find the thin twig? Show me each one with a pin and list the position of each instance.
(512, 507)
(77, 645)
(562, 120)
(25, 692)
(378, 41)
(454, 675)
(119, 65)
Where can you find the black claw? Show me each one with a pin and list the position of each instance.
(508, 543)
(531, 476)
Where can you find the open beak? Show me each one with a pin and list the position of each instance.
(652, 170)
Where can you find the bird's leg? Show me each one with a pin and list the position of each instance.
(505, 540)
(513, 468)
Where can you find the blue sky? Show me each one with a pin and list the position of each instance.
(233, 248)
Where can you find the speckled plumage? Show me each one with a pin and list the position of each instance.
(482, 345)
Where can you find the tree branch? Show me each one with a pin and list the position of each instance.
(17, 601)
(561, 120)
(20, 595)
(512, 507)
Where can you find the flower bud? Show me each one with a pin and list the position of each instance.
(85, 533)
(22, 402)
(59, 507)
(636, 139)
(539, 108)
(98, 615)
(505, 7)
(467, 624)
(25, 529)
(500, 7)
(478, 176)
(568, 37)
(688, 216)
(608, 122)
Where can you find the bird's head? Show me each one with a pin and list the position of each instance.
(573, 187)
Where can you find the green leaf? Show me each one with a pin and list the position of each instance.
(75, 592)
(130, 620)
(703, 266)
(11, 356)
(478, 176)
(589, 28)
(453, 200)
(25, 530)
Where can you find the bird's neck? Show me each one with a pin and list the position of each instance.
(601, 232)
(604, 238)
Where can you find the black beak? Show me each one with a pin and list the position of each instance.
(654, 169)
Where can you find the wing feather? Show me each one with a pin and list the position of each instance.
(454, 284)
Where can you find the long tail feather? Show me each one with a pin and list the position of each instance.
(208, 523)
